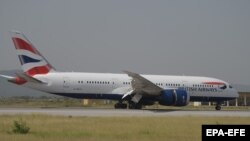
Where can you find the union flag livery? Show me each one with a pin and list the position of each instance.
(31, 59)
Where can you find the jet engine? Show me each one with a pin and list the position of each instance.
(174, 97)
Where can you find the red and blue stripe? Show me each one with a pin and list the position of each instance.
(21, 44)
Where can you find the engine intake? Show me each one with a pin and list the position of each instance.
(173, 97)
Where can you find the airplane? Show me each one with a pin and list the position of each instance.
(130, 90)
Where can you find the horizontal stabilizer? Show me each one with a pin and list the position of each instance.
(29, 78)
(7, 77)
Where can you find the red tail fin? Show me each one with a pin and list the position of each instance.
(31, 59)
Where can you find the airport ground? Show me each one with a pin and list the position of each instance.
(61, 102)
(64, 128)
(70, 126)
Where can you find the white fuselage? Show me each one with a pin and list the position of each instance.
(113, 86)
(136, 89)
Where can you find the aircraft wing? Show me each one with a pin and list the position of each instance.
(142, 87)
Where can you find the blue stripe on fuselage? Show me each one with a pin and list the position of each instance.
(210, 99)
(91, 96)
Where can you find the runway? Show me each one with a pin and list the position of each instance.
(120, 112)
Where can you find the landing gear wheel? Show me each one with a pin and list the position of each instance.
(218, 107)
(120, 105)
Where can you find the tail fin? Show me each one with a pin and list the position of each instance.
(31, 59)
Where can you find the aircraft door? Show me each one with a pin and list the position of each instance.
(66, 82)
(115, 83)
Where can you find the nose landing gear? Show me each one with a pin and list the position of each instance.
(218, 106)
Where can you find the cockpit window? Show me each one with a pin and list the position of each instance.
(223, 87)
(230, 87)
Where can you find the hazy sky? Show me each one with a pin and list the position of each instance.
(172, 37)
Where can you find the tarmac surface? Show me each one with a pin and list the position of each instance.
(120, 112)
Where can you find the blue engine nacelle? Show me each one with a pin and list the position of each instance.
(173, 97)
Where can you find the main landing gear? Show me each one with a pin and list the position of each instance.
(131, 105)
(121, 105)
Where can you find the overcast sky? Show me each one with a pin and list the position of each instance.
(171, 37)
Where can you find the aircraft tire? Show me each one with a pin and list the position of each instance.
(218, 107)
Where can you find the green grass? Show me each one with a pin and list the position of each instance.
(61, 128)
